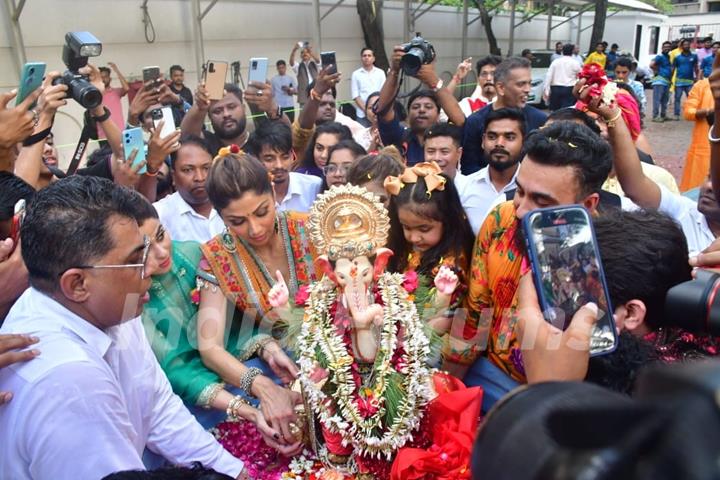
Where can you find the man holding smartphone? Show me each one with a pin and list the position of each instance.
(177, 84)
(306, 71)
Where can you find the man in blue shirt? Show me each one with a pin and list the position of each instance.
(686, 65)
(612, 57)
(707, 63)
(512, 83)
(661, 82)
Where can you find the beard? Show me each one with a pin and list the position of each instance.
(501, 166)
(229, 134)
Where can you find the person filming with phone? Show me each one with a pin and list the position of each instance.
(306, 71)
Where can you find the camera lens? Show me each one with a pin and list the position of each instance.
(695, 305)
(412, 61)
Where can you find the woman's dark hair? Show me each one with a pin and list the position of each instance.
(372, 95)
(440, 205)
(332, 128)
(233, 175)
(141, 209)
(355, 148)
(376, 167)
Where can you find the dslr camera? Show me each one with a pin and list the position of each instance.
(79, 46)
(418, 52)
(695, 305)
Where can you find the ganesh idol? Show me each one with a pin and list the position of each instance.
(373, 406)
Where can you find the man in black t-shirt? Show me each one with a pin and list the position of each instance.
(177, 77)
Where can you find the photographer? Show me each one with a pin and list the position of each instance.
(423, 109)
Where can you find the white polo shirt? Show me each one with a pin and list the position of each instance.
(92, 401)
(184, 223)
(478, 195)
(302, 190)
(693, 223)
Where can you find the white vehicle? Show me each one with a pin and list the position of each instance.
(540, 65)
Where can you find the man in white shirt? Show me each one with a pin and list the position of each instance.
(502, 144)
(271, 143)
(188, 214)
(560, 79)
(95, 397)
(364, 81)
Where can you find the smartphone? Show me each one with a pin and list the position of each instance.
(30, 80)
(17, 221)
(163, 114)
(567, 270)
(133, 140)
(328, 58)
(302, 44)
(214, 74)
(150, 74)
(258, 70)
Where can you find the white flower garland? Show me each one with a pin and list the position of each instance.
(340, 413)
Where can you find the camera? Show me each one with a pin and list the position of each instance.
(695, 305)
(418, 52)
(79, 46)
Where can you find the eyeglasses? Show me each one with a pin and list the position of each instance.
(332, 168)
(141, 266)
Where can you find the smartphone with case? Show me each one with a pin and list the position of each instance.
(150, 74)
(567, 270)
(258, 70)
(165, 115)
(214, 75)
(31, 79)
(133, 140)
(17, 221)
(328, 58)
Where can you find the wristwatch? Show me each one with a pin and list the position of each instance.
(438, 85)
(276, 115)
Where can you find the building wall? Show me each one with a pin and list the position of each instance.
(239, 30)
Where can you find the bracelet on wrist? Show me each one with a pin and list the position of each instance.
(101, 118)
(234, 406)
(611, 121)
(247, 380)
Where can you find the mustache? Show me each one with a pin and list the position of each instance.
(500, 150)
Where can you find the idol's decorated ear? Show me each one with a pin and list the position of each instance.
(322, 264)
(382, 257)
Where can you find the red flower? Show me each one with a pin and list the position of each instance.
(302, 295)
(410, 281)
(367, 406)
(594, 74)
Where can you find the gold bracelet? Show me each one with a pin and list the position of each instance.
(232, 408)
(611, 123)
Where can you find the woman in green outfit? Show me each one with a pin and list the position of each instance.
(170, 319)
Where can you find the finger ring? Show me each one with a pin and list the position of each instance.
(36, 117)
(259, 93)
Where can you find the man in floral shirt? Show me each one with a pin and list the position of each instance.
(565, 164)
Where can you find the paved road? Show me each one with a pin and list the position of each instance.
(669, 140)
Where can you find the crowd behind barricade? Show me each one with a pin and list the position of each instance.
(138, 316)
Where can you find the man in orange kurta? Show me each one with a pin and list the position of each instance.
(698, 107)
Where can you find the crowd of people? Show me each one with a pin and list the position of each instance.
(135, 315)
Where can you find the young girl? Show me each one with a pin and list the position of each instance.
(316, 155)
(428, 230)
